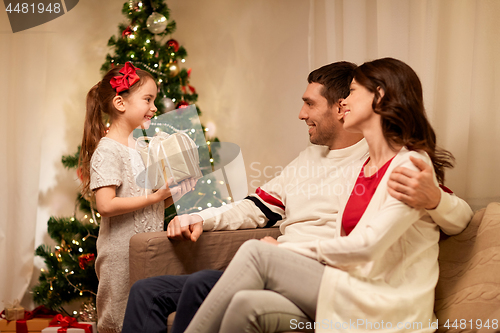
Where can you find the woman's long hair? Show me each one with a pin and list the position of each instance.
(403, 117)
(100, 102)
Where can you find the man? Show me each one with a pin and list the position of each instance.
(299, 202)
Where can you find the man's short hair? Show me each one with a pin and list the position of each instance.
(335, 78)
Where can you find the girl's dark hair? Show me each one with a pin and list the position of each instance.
(99, 101)
(403, 117)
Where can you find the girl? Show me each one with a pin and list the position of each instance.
(380, 270)
(109, 168)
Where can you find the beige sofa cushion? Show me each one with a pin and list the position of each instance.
(469, 281)
(153, 253)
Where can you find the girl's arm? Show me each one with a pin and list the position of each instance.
(108, 204)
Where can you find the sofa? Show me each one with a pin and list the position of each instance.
(467, 294)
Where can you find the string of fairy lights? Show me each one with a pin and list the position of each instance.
(202, 195)
(63, 247)
(94, 219)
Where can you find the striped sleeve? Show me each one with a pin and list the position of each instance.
(263, 209)
(259, 210)
(272, 208)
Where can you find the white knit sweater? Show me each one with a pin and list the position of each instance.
(309, 193)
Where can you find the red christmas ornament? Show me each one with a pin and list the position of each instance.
(191, 88)
(182, 105)
(86, 259)
(127, 32)
(173, 44)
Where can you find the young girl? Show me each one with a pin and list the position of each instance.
(110, 165)
(380, 270)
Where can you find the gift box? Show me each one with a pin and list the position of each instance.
(35, 325)
(32, 322)
(14, 311)
(70, 325)
(168, 156)
(54, 329)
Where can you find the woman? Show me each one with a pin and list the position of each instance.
(380, 272)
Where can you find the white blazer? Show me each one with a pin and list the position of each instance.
(382, 276)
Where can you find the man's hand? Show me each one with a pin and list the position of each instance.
(270, 240)
(415, 188)
(185, 227)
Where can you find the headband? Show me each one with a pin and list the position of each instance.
(121, 83)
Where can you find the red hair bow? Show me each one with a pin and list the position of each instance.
(121, 83)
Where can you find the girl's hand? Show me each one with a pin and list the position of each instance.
(270, 240)
(184, 187)
(165, 192)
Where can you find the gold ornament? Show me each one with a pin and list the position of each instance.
(173, 69)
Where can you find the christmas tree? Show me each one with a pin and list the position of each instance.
(70, 270)
(145, 41)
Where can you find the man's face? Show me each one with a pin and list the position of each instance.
(322, 119)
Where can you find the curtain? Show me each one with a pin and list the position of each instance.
(45, 74)
(453, 46)
(22, 106)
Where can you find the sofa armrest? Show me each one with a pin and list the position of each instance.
(153, 253)
(469, 285)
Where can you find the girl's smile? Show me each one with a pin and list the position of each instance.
(139, 106)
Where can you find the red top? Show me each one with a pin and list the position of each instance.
(361, 195)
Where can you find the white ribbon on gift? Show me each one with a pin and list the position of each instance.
(142, 146)
(194, 158)
(156, 149)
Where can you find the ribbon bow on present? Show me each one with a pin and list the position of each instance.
(169, 156)
(121, 83)
(68, 322)
(39, 312)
